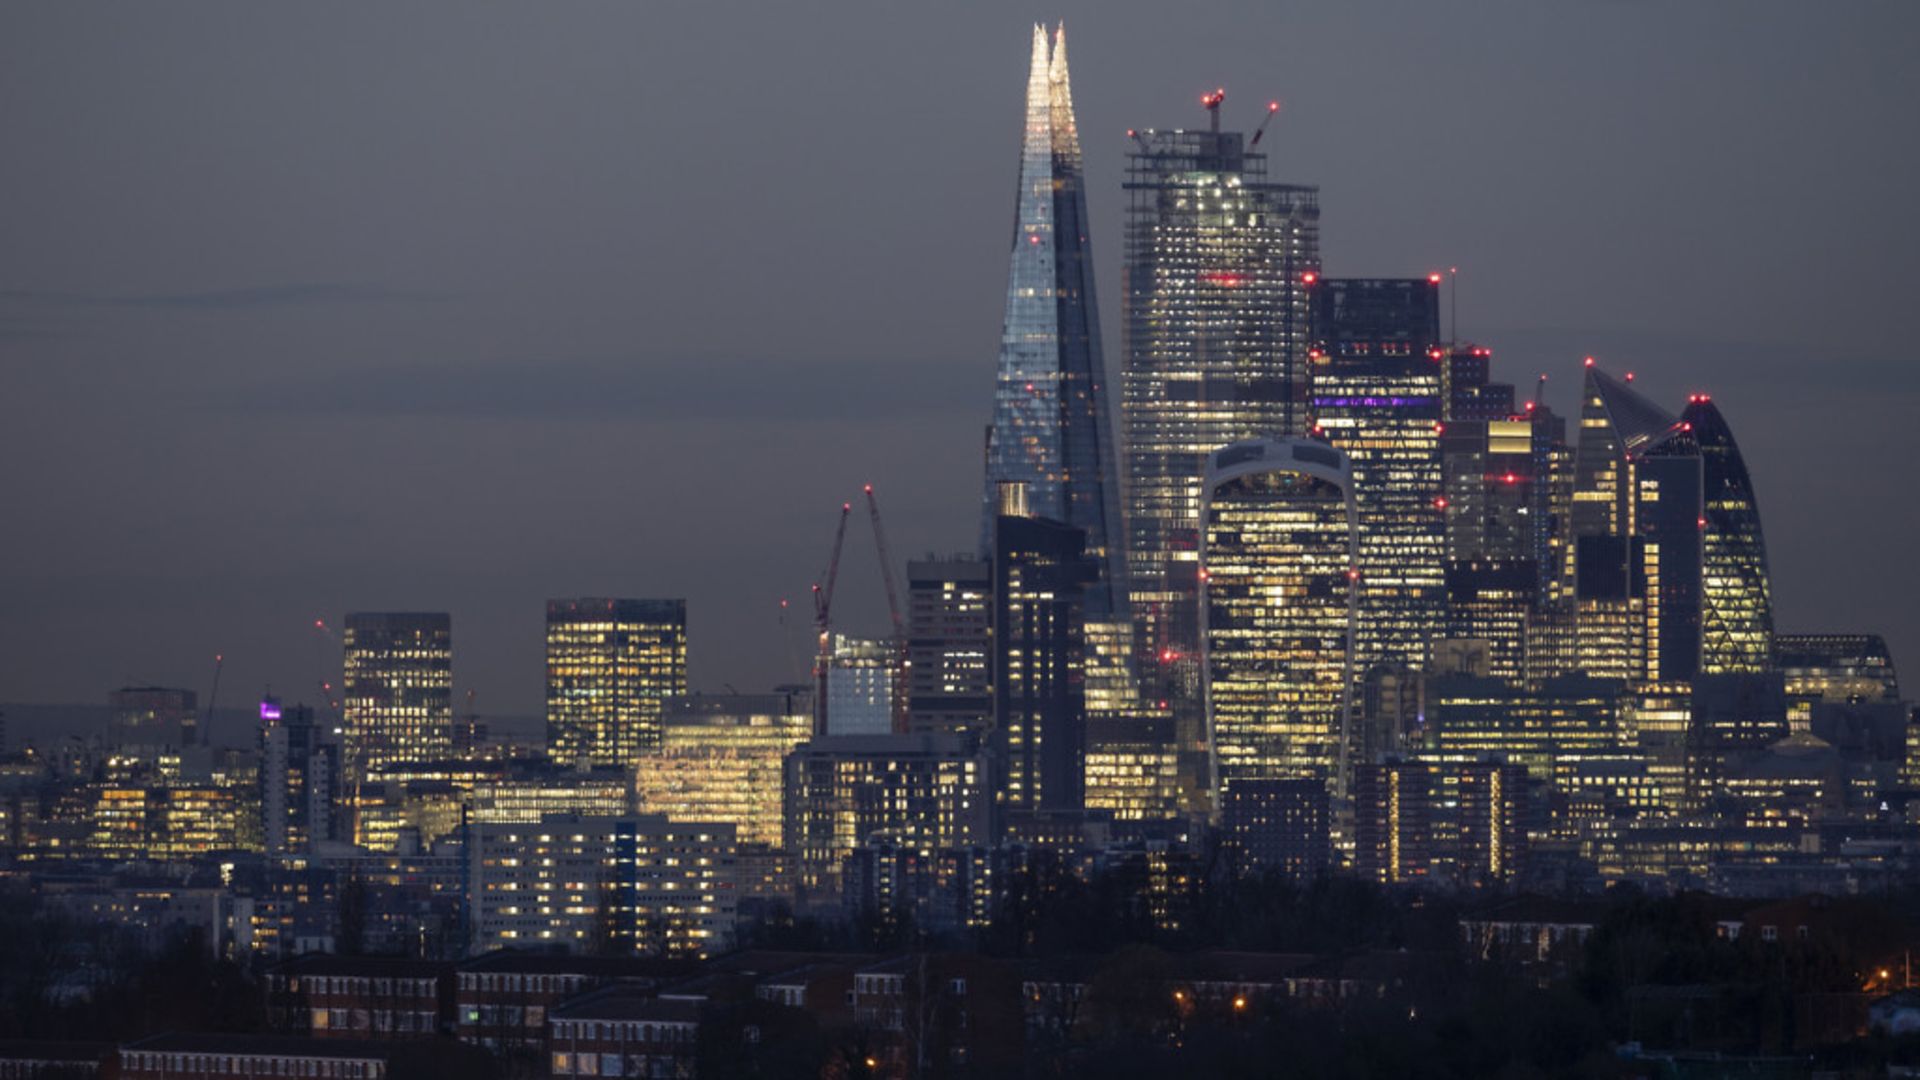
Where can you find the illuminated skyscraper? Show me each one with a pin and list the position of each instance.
(1050, 428)
(1606, 568)
(949, 645)
(1218, 259)
(1736, 618)
(1279, 546)
(610, 665)
(1377, 362)
(1041, 574)
(398, 689)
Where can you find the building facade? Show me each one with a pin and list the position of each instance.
(398, 689)
(1279, 545)
(610, 665)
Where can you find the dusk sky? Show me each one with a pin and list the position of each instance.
(461, 306)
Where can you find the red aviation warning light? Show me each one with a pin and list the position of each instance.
(1433, 278)
(1309, 278)
(1589, 361)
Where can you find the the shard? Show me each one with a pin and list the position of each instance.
(1050, 429)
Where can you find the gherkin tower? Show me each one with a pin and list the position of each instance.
(1736, 618)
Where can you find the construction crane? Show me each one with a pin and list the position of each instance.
(206, 732)
(823, 617)
(1273, 109)
(823, 623)
(1211, 102)
(893, 609)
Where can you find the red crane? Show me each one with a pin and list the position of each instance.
(893, 610)
(822, 621)
(823, 617)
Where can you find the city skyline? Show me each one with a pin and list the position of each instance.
(208, 503)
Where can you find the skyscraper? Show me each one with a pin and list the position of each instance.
(299, 776)
(1737, 595)
(1051, 431)
(1218, 259)
(1377, 362)
(610, 665)
(1278, 521)
(1041, 574)
(1050, 428)
(949, 644)
(398, 689)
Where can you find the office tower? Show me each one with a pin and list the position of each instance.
(299, 780)
(1547, 730)
(1626, 453)
(398, 689)
(933, 791)
(603, 884)
(860, 685)
(1041, 572)
(152, 716)
(1493, 601)
(1466, 392)
(1376, 365)
(949, 645)
(1278, 546)
(1050, 429)
(721, 759)
(1133, 768)
(1669, 527)
(1736, 620)
(1218, 259)
(610, 664)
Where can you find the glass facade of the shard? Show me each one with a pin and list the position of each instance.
(1050, 427)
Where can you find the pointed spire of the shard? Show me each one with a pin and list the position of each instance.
(1066, 135)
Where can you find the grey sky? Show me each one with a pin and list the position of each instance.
(460, 306)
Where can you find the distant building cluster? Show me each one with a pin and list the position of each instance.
(1333, 601)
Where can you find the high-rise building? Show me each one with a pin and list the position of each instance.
(1041, 572)
(1278, 543)
(398, 687)
(861, 684)
(1736, 615)
(949, 645)
(299, 780)
(1376, 395)
(1634, 572)
(721, 759)
(1218, 260)
(610, 665)
(932, 791)
(1051, 430)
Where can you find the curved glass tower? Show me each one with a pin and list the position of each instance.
(1736, 618)
(1050, 427)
